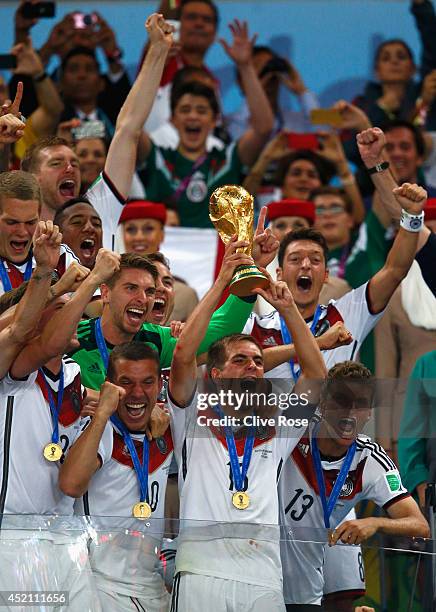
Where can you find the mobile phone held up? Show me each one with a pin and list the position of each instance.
(40, 10)
(8, 61)
(303, 141)
(82, 20)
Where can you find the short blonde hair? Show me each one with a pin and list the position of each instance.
(20, 185)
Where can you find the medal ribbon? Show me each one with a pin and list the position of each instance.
(101, 344)
(343, 262)
(287, 338)
(238, 473)
(7, 285)
(185, 182)
(55, 408)
(141, 470)
(329, 504)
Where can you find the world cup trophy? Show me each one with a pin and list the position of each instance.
(231, 210)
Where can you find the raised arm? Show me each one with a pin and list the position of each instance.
(184, 365)
(82, 459)
(121, 157)
(261, 115)
(309, 356)
(371, 143)
(46, 243)
(336, 336)
(382, 285)
(58, 333)
(46, 117)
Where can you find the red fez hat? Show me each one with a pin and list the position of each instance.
(292, 208)
(430, 209)
(142, 209)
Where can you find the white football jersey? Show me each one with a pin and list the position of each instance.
(109, 203)
(16, 273)
(29, 483)
(372, 476)
(120, 557)
(217, 539)
(353, 309)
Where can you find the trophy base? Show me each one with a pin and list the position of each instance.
(245, 279)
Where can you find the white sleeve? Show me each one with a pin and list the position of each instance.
(356, 312)
(13, 386)
(248, 327)
(108, 202)
(106, 443)
(181, 417)
(382, 480)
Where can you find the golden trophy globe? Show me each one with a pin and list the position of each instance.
(231, 210)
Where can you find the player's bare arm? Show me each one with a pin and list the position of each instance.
(184, 364)
(46, 244)
(121, 157)
(412, 199)
(57, 334)
(405, 519)
(371, 143)
(83, 460)
(306, 348)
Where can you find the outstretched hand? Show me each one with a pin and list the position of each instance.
(241, 49)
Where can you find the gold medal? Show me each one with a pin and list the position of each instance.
(240, 500)
(52, 451)
(141, 510)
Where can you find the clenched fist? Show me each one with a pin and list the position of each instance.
(411, 197)
(371, 143)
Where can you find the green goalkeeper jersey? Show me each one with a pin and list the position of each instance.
(229, 319)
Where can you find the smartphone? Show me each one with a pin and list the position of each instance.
(89, 129)
(326, 116)
(276, 64)
(303, 141)
(8, 61)
(40, 10)
(176, 32)
(82, 20)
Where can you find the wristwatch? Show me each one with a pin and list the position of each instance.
(378, 168)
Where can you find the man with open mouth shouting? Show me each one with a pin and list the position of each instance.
(335, 467)
(128, 300)
(20, 209)
(302, 265)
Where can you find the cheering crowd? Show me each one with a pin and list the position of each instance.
(118, 381)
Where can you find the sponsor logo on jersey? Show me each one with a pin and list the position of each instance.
(347, 488)
(162, 446)
(393, 481)
(304, 448)
(270, 341)
(95, 368)
(75, 401)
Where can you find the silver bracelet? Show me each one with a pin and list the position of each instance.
(411, 223)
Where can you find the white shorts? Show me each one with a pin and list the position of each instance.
(52, 564)
(198, 593)
(343, 570)
(116, 602)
